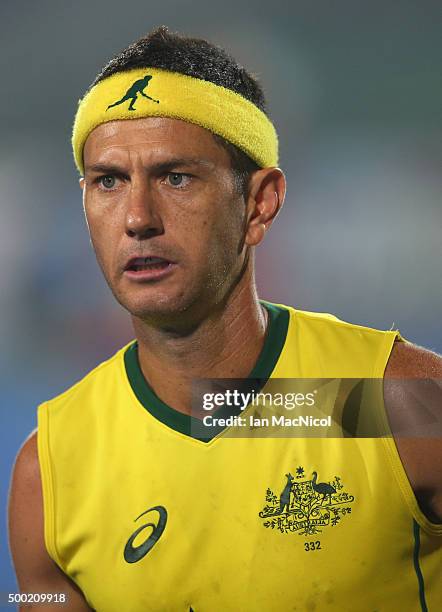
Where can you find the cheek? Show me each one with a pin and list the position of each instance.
(93, 222)
(229, 226)
(218, 237)
(101, 230)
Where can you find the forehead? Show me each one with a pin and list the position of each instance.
(151, 138)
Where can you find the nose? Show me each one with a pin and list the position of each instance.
(142, 215)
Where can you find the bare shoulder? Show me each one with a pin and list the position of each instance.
(413, 391)
(413, 401)
(36, 571)
(26, 483)
(412, 361)
(25, 495)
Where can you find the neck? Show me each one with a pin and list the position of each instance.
(225, 344)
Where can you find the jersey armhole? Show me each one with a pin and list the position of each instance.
(44, 457)
(390, 447)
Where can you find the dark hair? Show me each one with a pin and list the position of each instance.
(200, 59)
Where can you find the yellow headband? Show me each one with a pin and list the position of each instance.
(151, 92)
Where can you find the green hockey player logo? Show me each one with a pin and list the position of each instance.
(131, 94)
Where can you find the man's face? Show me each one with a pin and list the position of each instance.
(163, 188)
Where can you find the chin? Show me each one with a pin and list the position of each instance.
(169, 305)
(158, 308)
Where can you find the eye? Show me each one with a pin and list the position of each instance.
(177, 179)
(108, 181)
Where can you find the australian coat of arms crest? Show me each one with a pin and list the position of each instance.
(306, 506)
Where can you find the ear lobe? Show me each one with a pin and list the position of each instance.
(266, 197)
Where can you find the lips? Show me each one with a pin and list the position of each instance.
(138, 264)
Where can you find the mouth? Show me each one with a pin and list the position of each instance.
(137, 264)
(148, 268)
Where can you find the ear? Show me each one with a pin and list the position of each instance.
(81, 183)
(265, 198)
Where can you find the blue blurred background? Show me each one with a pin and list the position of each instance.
(354, 89)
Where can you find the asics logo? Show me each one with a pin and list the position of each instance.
(132, 553)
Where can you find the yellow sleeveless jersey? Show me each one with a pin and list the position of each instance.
(143, 517)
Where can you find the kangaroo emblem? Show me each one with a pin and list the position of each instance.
(284, 498)
(131, 94)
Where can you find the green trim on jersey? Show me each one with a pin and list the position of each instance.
(273, 345)
(417, 568)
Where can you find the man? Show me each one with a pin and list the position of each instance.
(132, 93)
(114, 502)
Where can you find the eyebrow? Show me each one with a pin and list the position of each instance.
(157, 168)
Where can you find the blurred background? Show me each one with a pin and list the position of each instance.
(355, 92)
